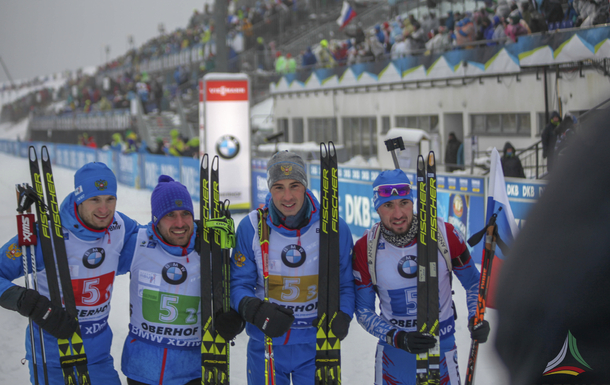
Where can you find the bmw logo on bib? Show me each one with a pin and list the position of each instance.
(174, 273)
(293, 256)
(407, 266)
(227, 147)
(94, 257)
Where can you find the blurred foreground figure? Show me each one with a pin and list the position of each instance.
(553, 294)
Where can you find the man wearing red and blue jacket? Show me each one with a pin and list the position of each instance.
(395, 272)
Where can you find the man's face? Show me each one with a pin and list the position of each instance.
(396, 215)
(176, 227)
(288, 196)
(97, 212)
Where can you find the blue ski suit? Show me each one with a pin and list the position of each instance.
(94, 257)
(293, 270)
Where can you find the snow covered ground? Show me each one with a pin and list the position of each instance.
(357, 349)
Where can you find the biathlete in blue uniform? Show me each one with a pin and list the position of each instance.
(395, 274)
(293, 217)
(94, 235)
(164, 341)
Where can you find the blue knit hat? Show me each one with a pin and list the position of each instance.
(390, 177)
(169, 196)
(93, 179)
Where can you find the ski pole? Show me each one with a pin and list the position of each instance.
(27, 241)
(490, 248)
(393, 146)
(264, 242)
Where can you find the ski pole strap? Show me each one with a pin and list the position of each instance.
(373, 241)
(225, 227)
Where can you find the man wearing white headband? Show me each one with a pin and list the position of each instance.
(393, 277)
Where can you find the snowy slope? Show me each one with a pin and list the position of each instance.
(358, 348)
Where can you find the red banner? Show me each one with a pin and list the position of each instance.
(226, 90)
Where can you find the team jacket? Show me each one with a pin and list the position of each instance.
(396, 270)
(94, 257)
(293, 271)
(165, 314)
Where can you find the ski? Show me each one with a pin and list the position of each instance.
(328, 346)
(434, 373)
(72, 356)
(428, 363)
(490, 248)
(421, 366)
(217, 237)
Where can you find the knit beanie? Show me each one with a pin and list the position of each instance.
(169, 196)
(286, 165)
(93, 179)
(390, 177)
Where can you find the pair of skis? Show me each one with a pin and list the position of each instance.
(72, 357)
(217, 234)
(428, 363)
(328, 346)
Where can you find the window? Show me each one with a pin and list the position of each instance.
(282, 126)
(385, 125)
(322, 130)
(298, 136)
(360, 136)
(423, 122)
(501, 124)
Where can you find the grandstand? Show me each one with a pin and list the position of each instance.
(487, 91)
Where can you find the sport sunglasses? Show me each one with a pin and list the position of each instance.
(388, 190)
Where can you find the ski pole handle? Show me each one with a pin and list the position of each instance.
(393, 146)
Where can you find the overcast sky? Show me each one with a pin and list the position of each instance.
(41, 37)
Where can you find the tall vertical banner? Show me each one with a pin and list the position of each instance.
(225, 110)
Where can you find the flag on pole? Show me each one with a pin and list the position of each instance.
(507, 227)
(347, 14)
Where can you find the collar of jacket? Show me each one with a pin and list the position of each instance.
(314, 216)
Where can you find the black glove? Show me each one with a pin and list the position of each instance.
(480, 332)
(272, 319)
(55, 320)
(412, 342)
(229, 324)
(339, 326)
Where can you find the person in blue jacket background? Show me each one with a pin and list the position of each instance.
(293, 217)
(164, 341)
(94, 235)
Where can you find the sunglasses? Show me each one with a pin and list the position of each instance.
(388, 190)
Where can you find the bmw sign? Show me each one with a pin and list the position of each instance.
(227, 147)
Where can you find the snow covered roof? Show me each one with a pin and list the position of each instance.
(410, 135)
(261, 115)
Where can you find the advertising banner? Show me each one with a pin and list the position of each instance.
(226, 126)
(259, 183)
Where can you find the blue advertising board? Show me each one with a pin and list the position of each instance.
(259, 183)
(464, 206)
(155, 165)
(189, 176)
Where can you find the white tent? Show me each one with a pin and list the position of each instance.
(261, 115)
